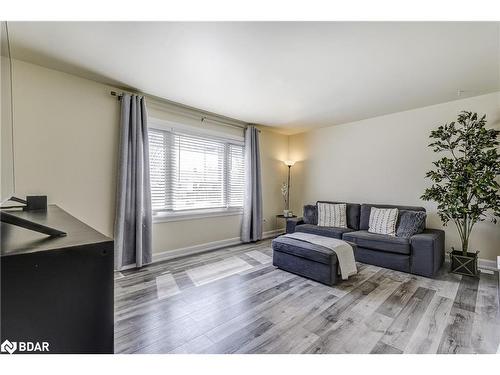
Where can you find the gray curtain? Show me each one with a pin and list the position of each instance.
(133, 219)
(251, 229)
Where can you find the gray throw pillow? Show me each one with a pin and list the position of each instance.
(410, 223)
(311, 214)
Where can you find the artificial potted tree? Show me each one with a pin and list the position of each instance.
(465, 181)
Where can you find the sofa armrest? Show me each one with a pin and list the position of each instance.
(292, 223)
(427, 252)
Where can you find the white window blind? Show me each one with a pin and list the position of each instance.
(190, 172)
(236, 177)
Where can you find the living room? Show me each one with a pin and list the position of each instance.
(251, 187)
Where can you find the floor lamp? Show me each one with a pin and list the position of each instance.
(289, 164)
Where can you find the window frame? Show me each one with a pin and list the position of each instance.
(163, 215)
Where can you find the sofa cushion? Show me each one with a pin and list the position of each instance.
(304, 249)
(410, 223)
(383, 221)
(310, 214)
(332, 232)
(381, 242)
(364, 221)
(352, 213)
(332, 215)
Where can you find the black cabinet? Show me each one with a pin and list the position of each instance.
(57, 290)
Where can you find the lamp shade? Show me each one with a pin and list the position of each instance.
(289, 162)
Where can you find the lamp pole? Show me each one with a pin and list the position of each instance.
(289, 164)
(288, 190)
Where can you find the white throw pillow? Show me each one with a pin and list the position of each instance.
(332, 215)
(383, 221)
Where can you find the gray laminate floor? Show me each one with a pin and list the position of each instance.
(234, 301)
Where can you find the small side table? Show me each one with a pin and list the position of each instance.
(283, 217)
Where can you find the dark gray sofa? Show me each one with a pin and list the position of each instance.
(421, 254)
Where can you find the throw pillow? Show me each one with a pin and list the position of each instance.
(410, 223)
(311, 214)
(383, 221)
(332, 215)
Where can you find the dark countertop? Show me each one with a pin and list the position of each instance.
(15, 240)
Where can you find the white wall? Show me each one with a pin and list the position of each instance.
(6, 151)
(66, 142)
(384, 160)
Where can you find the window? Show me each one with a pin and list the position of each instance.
(191, 172)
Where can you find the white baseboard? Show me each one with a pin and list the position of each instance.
(124, 268)
(487, 264)
(272, 233)
(209, 246)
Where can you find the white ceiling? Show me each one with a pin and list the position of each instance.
(290, 75)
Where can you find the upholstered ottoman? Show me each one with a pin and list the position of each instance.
(305, 259)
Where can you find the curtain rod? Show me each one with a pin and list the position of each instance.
(201, 118)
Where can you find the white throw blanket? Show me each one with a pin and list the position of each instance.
(344, 251)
